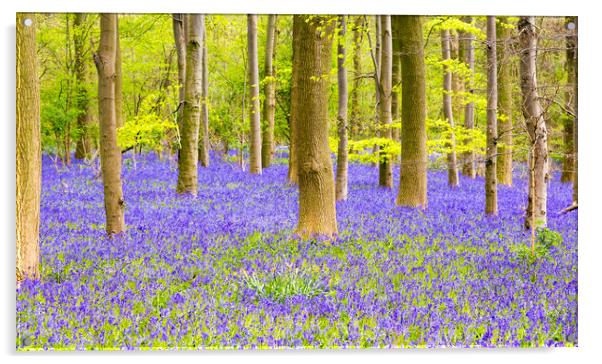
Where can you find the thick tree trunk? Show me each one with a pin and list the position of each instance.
(188, 157)
(342, 156)
(179, 30)
(269, 103)
(568, 160)
(504, 159)
(204, 135)
(110, 154)
(536, 126)
(29, 151)
(575, 125)
(491, 159)
(412, 178)
(118, 77)
(467, 50)
(312, 58)
(83, 146)
(254, 114)
(452, 169)
(355, 122)
(385, 167)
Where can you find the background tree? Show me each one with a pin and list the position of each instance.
(178, 31)
(342, 154)
(491, 159)
(575, 125)
(504, 89)
(355, 122)
(83, 147)
(269, 89)
(110, 154)
(568, 160)
(293, 169)
(29, 154)
(312, 58)
(467, 52)
(204, 135)
(255, 122)
(118, 77)
(385, 169)
(535, 125)
(189, 133)
(412, 178)
(452, 168)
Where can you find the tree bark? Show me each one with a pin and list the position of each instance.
(269, 104)
(110, 154)
(188, 156)
(355, 121)
(491, 160)
(467, 50)
(413, 178)
(254, 115)
(342, 154)
(385, 169)
(83, 146)
(317, 209)
(575, 124)
(118, 77)
(293, 176)
(504, 159)
(452, 169)
(535, 123)
(395, 81)
(204, 135)
(568, 160)
(29, 151)
(178, 31)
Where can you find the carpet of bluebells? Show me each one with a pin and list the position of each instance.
(225, 270)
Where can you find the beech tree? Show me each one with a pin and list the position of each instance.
(504, 87)
(385, 170)
(354, 120)
(179, 30)
(29, 151)
(467, 54)
(342, 153)
(535, 125)
(269, 90)
(412, 178)
(189, 132)
(575, 125)
(491, 158)
(293, 176)
(83, 146)
(568, 159)
(110, 154)
(312, 40)
(118, 77)
(452, 169)
(254, 114)
(204, 128)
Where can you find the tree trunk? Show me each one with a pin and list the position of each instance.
(575, 124)
(188, 158)
(504, 159)
(269, 104)
(452, 169)
(355, 122)
(110, 154)
(535, 123)
(204, 135)
(412, 178)
(568, 160)
(118, 77)
(385, 169)
(342, 156)
(83, 147)
(491, 159)
(377, 61)
(293, 176)
(179, 30)
(395, 81)
(29, 150)
(312, 58)
(467, 49)
(254, 115)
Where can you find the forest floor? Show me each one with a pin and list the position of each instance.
(224, 270)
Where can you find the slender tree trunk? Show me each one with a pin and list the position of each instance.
(179, 30)
(412, 178)
(491, 160)
(342, 156)
(504, 159)
(269, 104)
(396, 81)
(355, 122)
(377, 61)
(317, 209)
(110, 154)
(575, 125)
(536, 126)
(84, 146)
(118, 78)
(293, 176)
(29, 150)
(467, 49)
(255, 137)
(452, 169)
(204, 135)
(188, 157)
(568, 160)
(385, 170)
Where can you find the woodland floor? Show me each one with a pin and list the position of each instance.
(225, 271)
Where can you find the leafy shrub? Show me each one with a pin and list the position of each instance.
(288, 283)
(545, 240)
